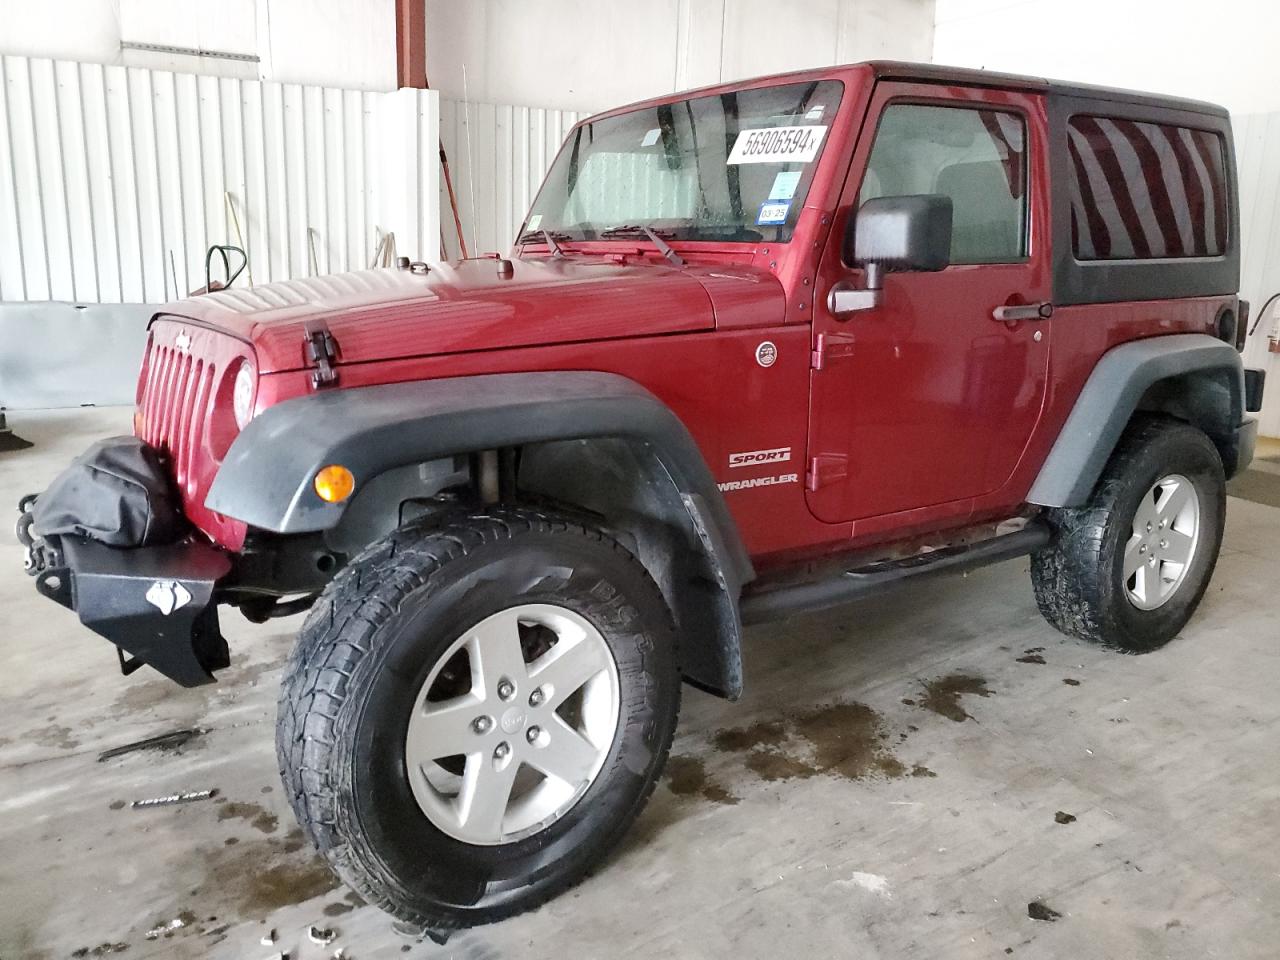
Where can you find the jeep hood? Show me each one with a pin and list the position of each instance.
(468, 306)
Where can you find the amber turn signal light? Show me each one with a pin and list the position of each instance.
(334, 483)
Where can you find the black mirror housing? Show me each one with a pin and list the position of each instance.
(909, 233)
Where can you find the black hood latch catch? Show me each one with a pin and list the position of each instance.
(322, 351)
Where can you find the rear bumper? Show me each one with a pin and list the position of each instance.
(156, 604)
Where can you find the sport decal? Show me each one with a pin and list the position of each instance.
(753, 458)
(778, 145)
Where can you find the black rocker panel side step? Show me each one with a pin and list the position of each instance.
(853, 585)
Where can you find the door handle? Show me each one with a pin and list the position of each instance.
(1030, 311)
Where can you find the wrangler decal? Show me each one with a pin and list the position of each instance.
(730, 485)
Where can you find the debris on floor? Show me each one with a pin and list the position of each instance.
(1039, 910)
(411, 931)
(322, 936)
(1061, 817)
(160, 929)
(165, 741)
(101, 950)
(268, 938)
(871, 882)
(173, 798)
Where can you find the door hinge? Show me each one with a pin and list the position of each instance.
(831, 346)
(322, 351)
(826, 468)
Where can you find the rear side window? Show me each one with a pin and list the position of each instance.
(1145, 191)
(976, 157)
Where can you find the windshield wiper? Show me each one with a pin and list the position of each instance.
(552, 238)
(637, 229)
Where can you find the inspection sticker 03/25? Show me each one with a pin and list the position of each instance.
(773, 212)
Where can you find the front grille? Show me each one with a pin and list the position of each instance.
(174, 403)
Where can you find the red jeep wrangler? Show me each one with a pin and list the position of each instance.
(759, 349)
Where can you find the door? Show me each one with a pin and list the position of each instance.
(927, 398)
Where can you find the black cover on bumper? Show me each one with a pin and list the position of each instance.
(100, 541)
(117, 492)
(154, 603)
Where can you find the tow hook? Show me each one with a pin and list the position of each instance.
(33, 558)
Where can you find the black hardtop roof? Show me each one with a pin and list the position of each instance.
(937, 73)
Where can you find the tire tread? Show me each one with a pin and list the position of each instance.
(1069, 577)
(338, 635)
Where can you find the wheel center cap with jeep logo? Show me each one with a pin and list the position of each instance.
(512, 720)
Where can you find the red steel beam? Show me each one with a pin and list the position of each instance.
(411, 43)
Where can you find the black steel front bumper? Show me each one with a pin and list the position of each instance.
(156, 604)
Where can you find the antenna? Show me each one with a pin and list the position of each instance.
(471, 166)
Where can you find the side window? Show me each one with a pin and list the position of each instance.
(1145, 191)
(976, 157)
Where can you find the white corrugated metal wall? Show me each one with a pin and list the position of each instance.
(1257, 137)
(107, 172)
(497, 155)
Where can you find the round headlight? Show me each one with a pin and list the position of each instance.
(242, 396)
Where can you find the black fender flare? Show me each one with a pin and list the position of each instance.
(1205, 386)
(266, 479)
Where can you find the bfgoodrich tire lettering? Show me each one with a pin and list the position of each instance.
(361, 660)
(1079, 580)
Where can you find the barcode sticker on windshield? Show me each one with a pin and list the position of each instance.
(777, 145)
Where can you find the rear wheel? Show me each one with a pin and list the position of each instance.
(475, 712)
(1129, 568)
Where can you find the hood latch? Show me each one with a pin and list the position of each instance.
(322, 350)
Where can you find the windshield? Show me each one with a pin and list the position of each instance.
(735, 167)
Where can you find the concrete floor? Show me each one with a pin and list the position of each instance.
(890, 787)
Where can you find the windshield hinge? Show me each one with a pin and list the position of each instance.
(322, 351)
(830, 346)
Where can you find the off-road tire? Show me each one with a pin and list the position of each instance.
(351, 680)
(1078, 578)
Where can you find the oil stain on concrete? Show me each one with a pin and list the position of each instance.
(687, 777)
(841, 739)
(942, 695)
(255, 877)
(256, 815)
(54, 736)
(350, 901)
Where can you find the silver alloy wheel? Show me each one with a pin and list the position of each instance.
(1166, 532)
(513, 724)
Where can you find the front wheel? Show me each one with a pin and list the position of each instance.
(475, 711)
(1129, 568)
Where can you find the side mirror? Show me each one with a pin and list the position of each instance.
(901, 234)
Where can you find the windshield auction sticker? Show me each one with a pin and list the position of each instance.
(777, 145)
